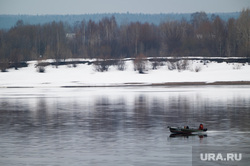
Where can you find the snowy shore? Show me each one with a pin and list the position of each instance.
(84, 75)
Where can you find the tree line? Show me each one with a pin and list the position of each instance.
(202, 36)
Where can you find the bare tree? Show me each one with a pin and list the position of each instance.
(231, 40)
(243, 33)
(104, 62)
(171, 33)
(219, 36)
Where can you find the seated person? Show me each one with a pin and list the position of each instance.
(201, 127)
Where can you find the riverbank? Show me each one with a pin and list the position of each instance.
(197, 72)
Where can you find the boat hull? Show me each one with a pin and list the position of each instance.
(178, 130)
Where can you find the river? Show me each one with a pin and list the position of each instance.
(118, 126)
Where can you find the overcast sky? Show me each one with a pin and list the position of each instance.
(119, 6)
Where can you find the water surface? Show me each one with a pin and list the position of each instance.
(118, 126)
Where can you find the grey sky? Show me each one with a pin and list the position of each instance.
(120, 6)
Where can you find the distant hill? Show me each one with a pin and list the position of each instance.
(8, 21)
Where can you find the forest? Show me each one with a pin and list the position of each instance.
(201, 36)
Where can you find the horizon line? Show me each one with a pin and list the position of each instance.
(128, 13)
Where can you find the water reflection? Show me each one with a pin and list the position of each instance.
(117, 126)
(201, 136)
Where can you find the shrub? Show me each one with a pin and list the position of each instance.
(41, 69)
(182, 65)
(197, 69)
(156, 63)
(121, 65)
(102, 65)
(179, 65)
(171, 65)
(4, 65)
(140, 64)
(237, 66)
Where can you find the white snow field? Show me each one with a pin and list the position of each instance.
(85, 75)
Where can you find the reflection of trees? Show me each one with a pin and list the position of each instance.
(14, 115)
(141, 115)
(109, 114)
(41, 112)
(179, 108)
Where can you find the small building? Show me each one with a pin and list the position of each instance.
(70, 35)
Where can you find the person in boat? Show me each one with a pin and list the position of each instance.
(201, 127)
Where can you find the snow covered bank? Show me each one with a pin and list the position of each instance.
(85, 75)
